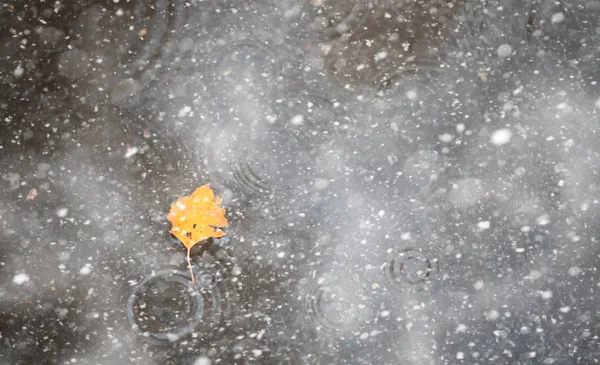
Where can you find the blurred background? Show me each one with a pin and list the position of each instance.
(407, 182)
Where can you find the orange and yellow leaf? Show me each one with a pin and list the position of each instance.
(197, 217)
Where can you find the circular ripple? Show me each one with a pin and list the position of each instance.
(256, 157)
(337, 308)
(411, 269)
(223, 157)
(410, 81)
(166, 306)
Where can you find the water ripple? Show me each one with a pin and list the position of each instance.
(337, 308)
(166, 307)
(235, 154)
(411, 269)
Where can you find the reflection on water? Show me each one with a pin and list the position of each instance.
(407, 182)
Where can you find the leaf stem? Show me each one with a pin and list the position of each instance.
(190, 264)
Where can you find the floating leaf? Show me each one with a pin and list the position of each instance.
(196, 218)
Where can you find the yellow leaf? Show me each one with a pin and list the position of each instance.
(196, 218)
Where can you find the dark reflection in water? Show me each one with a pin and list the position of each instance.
(407, 182)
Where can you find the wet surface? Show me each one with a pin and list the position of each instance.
(406, 182)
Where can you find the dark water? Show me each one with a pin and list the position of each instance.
(408, 182)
